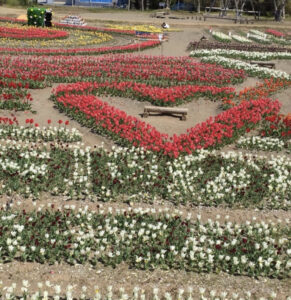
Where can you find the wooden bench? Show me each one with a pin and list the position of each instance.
(166, 110)
(263, 64)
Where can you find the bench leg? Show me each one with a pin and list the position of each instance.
(183, 118)
(145, 114)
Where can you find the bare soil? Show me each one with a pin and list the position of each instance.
(123, 276)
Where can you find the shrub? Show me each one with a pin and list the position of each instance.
(35, 16)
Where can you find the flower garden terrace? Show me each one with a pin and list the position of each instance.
(43, 162)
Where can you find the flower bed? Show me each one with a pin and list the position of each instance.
(105, 119)
(145, 241)
(277, 126)
(154, 71)
(247, 55)
(220, 36)
(31, 33)
(14, 95)
(260, 39)
(34, 133)
(204, 178)
(174, 95)
(29, 169)
(275, 33)
(252, 70)
(240, 47)
(78, 38)
(241, 39)
(81, 51)
(265, 89)
(259, 143)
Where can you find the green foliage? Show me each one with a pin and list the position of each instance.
(35, 16)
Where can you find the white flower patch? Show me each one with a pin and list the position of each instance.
(248, 55)
(280, 180)
(228, 183)
(241, 39)
(259, 33)
(259, 143)
(221, 36)
(253, 70)
(147, 173)
(33, 165)
(260, 39)
(29, 168)
(37, 133)
(182, 178)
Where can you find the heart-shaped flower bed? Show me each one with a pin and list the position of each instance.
(90, 111)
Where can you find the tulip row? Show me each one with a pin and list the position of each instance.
(241, 39)
(127, 130)
(47, 290)
(81, 51)
(252, 70)
(275, 33)
(259, 143)
(31, 33)
(36, 133)
(248, 55)
(260, 90)
(158, 71)
(264, 89)
(206, 178)
(173, 95)
(221, 37)
(145, 241)
(237, 46)
(260, 39)
(264, 38)
(255, 35)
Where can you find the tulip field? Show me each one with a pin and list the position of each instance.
(98, 203)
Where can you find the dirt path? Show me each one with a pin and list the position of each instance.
(123, 276)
